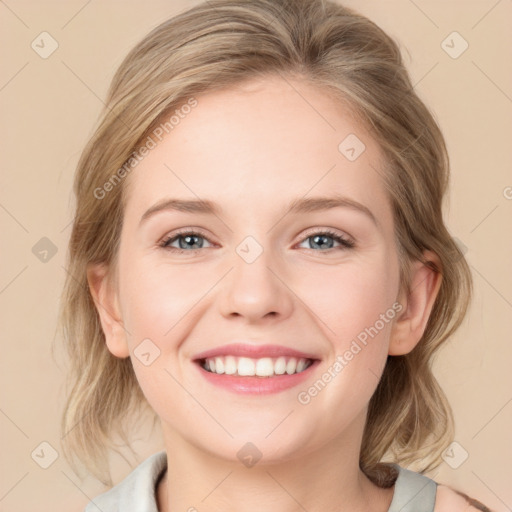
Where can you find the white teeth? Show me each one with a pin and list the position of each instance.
(219, 365)
(230, 365)
(280, 366)
(263, 367)
(291, 366)
(246, 366)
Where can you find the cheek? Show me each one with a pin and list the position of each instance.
(348, 298)
(356, 308)
(157, 301)
(157, 297)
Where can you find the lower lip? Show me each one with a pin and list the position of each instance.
(257, 385)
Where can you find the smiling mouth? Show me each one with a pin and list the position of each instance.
(250, 367)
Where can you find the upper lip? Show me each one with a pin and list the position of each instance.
(253, 351)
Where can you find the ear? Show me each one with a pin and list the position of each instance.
(417, 306)
(106, 300)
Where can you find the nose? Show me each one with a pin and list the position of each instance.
(256, 290)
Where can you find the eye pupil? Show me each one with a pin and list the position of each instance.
(317, 237)
(187, 239)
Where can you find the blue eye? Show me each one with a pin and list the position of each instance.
(190, 241)
(318, 237)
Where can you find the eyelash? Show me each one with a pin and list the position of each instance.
(345, 242)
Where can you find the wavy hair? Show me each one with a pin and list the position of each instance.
(215, 45)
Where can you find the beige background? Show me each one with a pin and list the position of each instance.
(49, 107)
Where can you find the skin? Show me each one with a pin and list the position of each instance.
(253, 149)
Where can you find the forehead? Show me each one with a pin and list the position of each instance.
(259, 145)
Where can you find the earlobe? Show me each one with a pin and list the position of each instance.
(417, 306)
(107, 304)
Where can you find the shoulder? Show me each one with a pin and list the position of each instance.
(136, 492)
(450, 500)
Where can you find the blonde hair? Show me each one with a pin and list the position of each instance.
(215, 45)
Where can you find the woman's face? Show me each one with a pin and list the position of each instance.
(260, 284)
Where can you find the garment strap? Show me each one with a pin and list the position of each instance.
(414, 492)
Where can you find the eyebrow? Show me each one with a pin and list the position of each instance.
(297, 206)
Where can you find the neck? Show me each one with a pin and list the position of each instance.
(328, 478)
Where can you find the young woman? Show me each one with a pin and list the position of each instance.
(259, 254)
